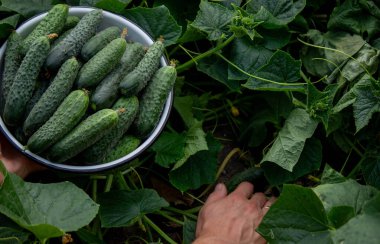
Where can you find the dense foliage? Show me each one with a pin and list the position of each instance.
(283, 93)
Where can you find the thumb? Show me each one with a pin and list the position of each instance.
(219, 192)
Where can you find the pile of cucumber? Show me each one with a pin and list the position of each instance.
(74, 94)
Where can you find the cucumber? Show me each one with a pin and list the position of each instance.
(136, 80)
(126, 145)
(25, 81)
(64, 119)
(12, 60)
(60, 38)
(99, 41)
(59, 88)
(71, 22)
(88, 132)
(101, 64)
(72, 44)
(153, 99)
(53, 22)
(39, 89)
(106, 92)
(96, 153)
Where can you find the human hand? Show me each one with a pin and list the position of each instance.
(232, 218)
(14, 161)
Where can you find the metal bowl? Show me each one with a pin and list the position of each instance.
(136, 34)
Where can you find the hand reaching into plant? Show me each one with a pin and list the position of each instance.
(14, 161)
(232, 218)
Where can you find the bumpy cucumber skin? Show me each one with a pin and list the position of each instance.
(59, 88)
(99, 41)
(40, 88)
(107, 91)
(153, 99)
(12, 60)
(135, 81)
(64, 119)
(71, 45)
(71, 22)
(60, 38)
(88, 132)
(53, 22)
(25, 80)
(101, 64)
(126, 145)
(96, 153)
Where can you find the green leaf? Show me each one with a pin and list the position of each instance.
(184, 106)
(321, 61)
(87, 236)
(169, 148)
(8, 24)
(27, 8)
(310, 160)
(157, 22)
(330, 176)
(189, 228)
(353, 17)
(275, 13)
(248, 56)
(371, 169)
(347, 193)
(191, 34)
(198, 170)
(213, 19)
(340, 215)
(281, 68)
(288, 146)
(274, 39)
(46, 210)
(195, 142)
(320, 103)
(297, 216)
(116, 6)
(217, 69)
(123, 208)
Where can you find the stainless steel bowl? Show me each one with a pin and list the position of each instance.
(135, 33)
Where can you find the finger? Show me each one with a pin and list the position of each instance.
(244, 189)
(219, 192)
(259, 199)
(268, 204)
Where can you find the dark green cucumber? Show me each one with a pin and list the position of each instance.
(153, 99)
(40, 88)
(88, 132)
(136, 80)
(107, 91)
(53, 22)
(126, 145)
(71, 45)
(99, 41)
(25, 81)
(64, 119)
(96, 153)
(12, 60)
(71, 22)
(59, 88)
(101, 64)
(60, 38)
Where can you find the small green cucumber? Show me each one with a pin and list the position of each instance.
(25, 81)
(60, 38)
(53, 22)
(40, 88)
(153, 99)
(126, 145)
(59, 88)
(107, 91)
(71, 22)
(101, 64)
(96, 153)
(12, 60)
(136, 80)
(88, 132)
(71, 45)
(99, 41)
(64, 119)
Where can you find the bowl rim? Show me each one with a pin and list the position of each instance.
(83, 169)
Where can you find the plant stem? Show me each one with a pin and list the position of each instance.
(356, 168)
(109, 181)
(94, 190)
(193, 61)
(163, 214)
(158, 230)
(121, 181)
(187, 213)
